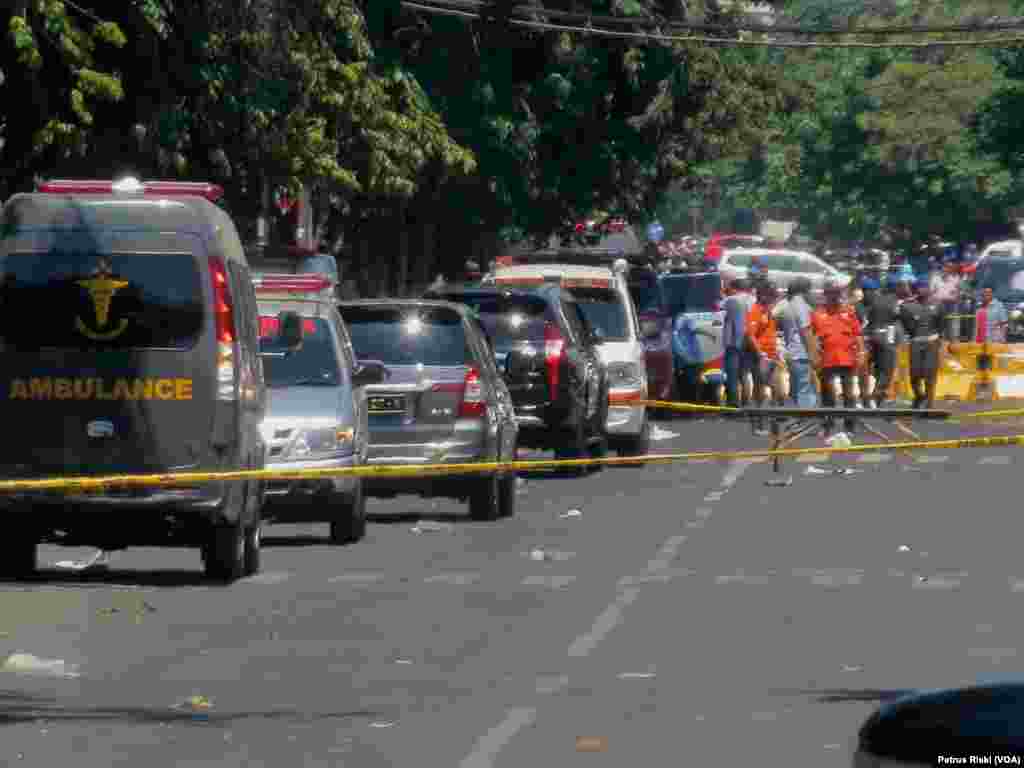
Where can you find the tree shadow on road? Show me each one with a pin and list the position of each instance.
(844, 695)
(17, 707)
(106, 577)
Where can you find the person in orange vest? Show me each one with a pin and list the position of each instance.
(841, 351)
(763, 339)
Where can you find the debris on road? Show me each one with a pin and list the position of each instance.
(834, 472)
(382, 725)
(571, 513)
(659, 434)
(196, 702)
(27, 664)
(904, 548)
(99, 561)
(537, 555)
(848, 668)
(591, 744)
(403, 661)
(636, 675)
(779, 482)
(429, 526)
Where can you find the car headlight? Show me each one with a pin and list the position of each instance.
(320, 441)
(624, 375)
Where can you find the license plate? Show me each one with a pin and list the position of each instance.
(386, 404)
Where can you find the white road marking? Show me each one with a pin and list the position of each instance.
(1000, 461)
(458, 579)
(609, 619)
(492, 742)
(267, 577)
(357, 578)
(874, 458)
(550, 582)
(932, 459)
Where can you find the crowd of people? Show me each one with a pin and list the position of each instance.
(845, 348)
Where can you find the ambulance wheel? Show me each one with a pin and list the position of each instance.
(350, 524)
(224, 553)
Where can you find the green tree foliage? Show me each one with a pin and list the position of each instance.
(885, 142)
(566, 123)
(54, 71)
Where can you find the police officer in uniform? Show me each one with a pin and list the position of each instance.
(924, 322)
(884, 333)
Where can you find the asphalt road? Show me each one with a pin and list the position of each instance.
(688, 615)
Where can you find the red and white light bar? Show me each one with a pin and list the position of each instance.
(131, 186)
(292, 284)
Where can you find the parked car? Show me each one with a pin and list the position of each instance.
(602, 294)
(442, 400)
(552, 366)
(719, 243)
(1005, 276)
(316, 416)
(782, 266)
(688, 304)
(656, 332)
(147, 362)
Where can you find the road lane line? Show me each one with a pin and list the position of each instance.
(1000, 461)
(492, 742)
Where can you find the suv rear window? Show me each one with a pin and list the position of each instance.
(407, 335)
(693, 293)
(604, 312)
(313, 364)
(111, 301)
(508, 318)
(646, 296)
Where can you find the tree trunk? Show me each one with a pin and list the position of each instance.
(401, 221)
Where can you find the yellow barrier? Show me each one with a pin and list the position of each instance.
(86, 483)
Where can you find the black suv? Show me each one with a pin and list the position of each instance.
(548, 353)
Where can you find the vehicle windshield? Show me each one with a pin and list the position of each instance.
(692, 293)
(407, 335)
(604, 311)
(315, 363)
(1005, 278)
(107, 301)
(507, 319)
(646, 296)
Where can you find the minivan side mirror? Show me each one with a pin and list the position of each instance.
(291, 330)
(369, 373)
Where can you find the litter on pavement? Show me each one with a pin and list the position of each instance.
(840, 471)
(429, 526)
(27, 664)
(783, 482)
(571, 513)
(904, 548)
(591, 744)
(99, 561)
(659, 434)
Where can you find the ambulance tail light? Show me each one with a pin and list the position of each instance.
(132, 186)
(224, 326)
(554, 354)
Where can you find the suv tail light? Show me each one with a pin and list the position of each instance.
(224, 326)
(473, 405)
(554, 353)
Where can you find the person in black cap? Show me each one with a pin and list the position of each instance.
(884, 333)
(924, 323)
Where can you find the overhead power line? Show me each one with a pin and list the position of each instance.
(991, 42)
(678, 25)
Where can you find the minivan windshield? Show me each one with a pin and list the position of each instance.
(314, 364)
(604, 311)
(110, 301)
(407, 335)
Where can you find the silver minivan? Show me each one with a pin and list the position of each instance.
(782, 266)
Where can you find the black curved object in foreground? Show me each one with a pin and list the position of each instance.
(980, 721)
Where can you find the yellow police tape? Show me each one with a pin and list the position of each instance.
(684, 406)
(86, 483)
